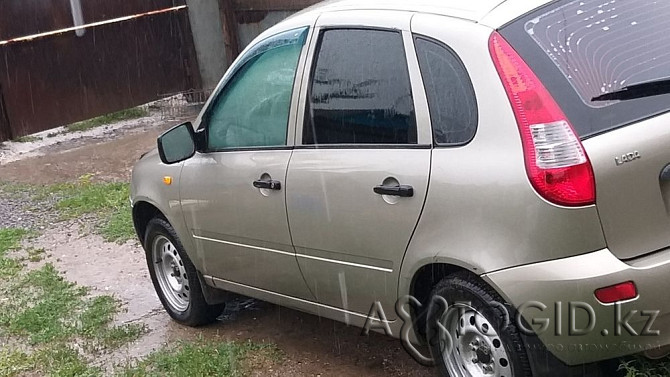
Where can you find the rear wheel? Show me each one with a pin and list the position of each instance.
(471, 332)
(175, 278)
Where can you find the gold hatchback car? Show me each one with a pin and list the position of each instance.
(490, 178)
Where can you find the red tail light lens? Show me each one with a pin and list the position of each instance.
(615, 293)
(556, 163)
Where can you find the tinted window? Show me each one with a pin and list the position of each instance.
(581, 49)
(253, 108)
(451, 97)
(360, 90)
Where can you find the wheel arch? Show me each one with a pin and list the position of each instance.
(427, 276)
(143, 212)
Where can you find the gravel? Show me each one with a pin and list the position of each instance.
(19, 210)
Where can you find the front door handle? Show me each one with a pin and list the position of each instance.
(267, 184)
(403, 191)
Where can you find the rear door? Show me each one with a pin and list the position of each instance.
(584, 49)
(357, 183)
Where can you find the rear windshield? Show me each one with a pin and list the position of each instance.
(582, 49)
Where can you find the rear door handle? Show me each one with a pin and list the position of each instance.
(403, 191)
(267, 184)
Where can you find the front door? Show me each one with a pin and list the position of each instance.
(233, 195)
(357, 184)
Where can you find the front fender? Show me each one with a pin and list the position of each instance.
(148, 186)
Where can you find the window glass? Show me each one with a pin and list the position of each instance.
(603, 45)
(451, 97)
(253, 108)
(360, 90)
(582, 49)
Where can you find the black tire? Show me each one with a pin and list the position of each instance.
(196, 311)
(502, 349)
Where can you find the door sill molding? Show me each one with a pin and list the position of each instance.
(322, 310)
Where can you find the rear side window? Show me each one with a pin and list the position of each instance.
(451, 97)
(360, 90)
(582, 49)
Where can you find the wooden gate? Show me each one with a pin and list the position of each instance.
(63, 61)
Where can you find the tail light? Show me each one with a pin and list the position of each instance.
(556, 163)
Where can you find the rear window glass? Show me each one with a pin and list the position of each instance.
(360, 91)
(451, 97)
(582, 49)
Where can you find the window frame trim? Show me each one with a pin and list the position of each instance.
(363, 146)
(306, 91)
(451, 51)
(231, 73)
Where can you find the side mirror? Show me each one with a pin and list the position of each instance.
(177, 144)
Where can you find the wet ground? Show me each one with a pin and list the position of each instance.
(312, 346)
(109, 156)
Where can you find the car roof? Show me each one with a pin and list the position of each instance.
(497, 11)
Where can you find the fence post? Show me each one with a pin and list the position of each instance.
(5, 129)
(230, 35)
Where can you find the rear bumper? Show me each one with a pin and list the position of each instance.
(556, 300)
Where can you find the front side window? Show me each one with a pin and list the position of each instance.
(253, 108)
(360, 91)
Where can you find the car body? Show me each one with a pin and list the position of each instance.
(302, 215)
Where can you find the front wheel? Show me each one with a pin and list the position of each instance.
(471, 332)
(175, 278)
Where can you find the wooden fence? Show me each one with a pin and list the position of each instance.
(52, 73)
(118, 54)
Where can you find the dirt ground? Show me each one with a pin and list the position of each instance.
(312, 346)
(108, 158)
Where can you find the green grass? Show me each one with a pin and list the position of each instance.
(26, 139)
(86, 198)
(57, 360)
(13, 363)
(16, 189)
(134, 113)
(119, 226)
(639, 366)
(57, 329)
(200, 359)
(116, 337)
(64, 361)
(35, 255)
(94, 319)
(10, 239)
(47, 314)
(107, 203)
(42, 307)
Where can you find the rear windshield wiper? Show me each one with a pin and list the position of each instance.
(643, 89)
